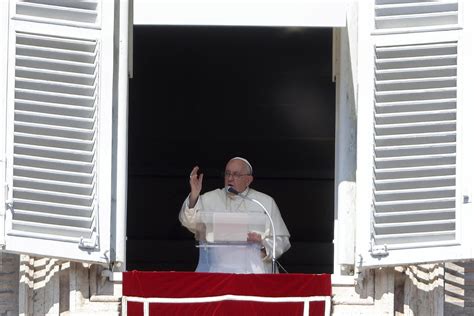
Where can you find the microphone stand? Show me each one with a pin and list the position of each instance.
(234, 191)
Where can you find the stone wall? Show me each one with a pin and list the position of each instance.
(9, 284)
(44, 286)
(409, 290)
(459, 288)
(55, 287)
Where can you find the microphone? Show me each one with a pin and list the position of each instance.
(230, 189)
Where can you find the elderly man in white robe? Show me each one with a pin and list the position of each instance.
(256, 257)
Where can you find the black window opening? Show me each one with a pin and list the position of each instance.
(201, 95)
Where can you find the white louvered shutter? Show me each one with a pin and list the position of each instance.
(414, 129)
(408, 15)
(60, 66)
(4, 19)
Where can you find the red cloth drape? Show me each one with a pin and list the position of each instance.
(193, 285)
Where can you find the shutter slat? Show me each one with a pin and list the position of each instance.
(54, 119)
(54, 153)
(64, 131)
(402, 15)
(415, 205)
(59, 238)
(415, 227)
(416, 94)
(432, 49)
(49, 163)
(55, 175)
(414, 116)
(63, 43)
(415, 62)
(53, 197)
(55, 54)
(82, 4)
(415, 138)
(415, 239)
(417, 20)
(54, 141)
(415, 7)
(54, 219)
(54, 208)
(47, 229)
(48, 185)
(415, 216)
(55, 12)
(416, 84)
(52, 108)
(54, 75)
(381, 2)
(413, 183)
(416, 128)
(413, 194)
(411, 172)
(56, 65)
(415, 106)
(420, 72)
(415, 150)
(415, 161)
(54, 86)
(54, 97)
(69, 187)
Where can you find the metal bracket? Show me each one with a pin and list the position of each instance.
(8, 201)
(359, 280)
(378, 250)
(466, 199)
(92, 243)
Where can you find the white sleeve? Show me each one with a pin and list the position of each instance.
(282, 245)
(282, 235)
(187, 215)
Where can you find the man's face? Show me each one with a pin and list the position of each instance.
(237, 175)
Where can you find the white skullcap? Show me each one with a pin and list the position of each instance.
(245, 161)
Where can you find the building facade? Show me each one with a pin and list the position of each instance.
(403, 181)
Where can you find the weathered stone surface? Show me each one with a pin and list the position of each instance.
(54, 287)
(9, 275)
(459, 288)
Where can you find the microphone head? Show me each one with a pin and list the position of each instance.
(230, 189)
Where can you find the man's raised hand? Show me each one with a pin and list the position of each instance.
(195, 182)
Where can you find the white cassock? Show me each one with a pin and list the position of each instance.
(246, 259)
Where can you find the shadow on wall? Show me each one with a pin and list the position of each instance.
(459, 288)
(419, 290)
(51, 287)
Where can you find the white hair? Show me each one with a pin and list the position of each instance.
(249, 166)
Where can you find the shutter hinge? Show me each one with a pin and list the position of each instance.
(8, 201)
(378, 250)
(466, 198)
(92, 243)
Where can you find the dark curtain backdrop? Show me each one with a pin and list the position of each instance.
(201, 95)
